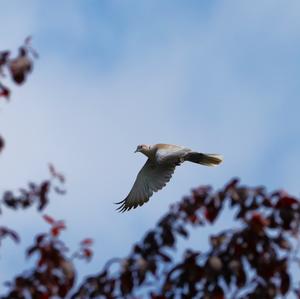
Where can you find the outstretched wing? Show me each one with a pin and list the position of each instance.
(151, 178)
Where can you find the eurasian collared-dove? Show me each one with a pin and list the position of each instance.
(158, 170)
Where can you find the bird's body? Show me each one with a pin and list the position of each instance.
(157, 152)
(159, 168)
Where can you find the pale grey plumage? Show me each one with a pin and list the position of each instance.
(158, 170)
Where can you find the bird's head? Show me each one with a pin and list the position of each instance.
(142, 148)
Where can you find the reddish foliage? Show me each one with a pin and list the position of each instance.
(49, 219)
(85, 251)
(18, 67)
(286, 202)
(56, 226)
(53, 274)
(4, 92)
(2, 143)
(55, 174)
(87, 241)
(35, 193)
(247, 262)
(6, 232)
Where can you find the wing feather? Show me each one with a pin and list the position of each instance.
(151, 178)
(175, 154)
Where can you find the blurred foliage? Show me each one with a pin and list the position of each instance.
(251, 261)
(18, 68)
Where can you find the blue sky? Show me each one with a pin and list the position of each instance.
(216, 76)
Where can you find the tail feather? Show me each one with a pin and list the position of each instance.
(204, 159)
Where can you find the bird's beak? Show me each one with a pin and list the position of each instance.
(136, 151)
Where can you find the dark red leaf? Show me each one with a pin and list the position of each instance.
(19, 67)
(165, 257)
(52, 169)
(31, 250)
(87, 241)
(55, 231)
(14, 236)
(57, 228)
(45, 186)
(168, 237)
(241, 278)
(2, 143)
(211, 213)
(231, 184)
(60, 225)
(285, 283)
(217, 293)
(193, 218)
(6, 232)
(4, 92)
(41, 262)
(56, 174)
(286, 202)
(126, 282)
(182, 231)
(87, 252)
(49, 219)
(40, 238)
(4, 55)
(258, 221)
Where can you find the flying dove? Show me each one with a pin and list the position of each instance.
(158, 170)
